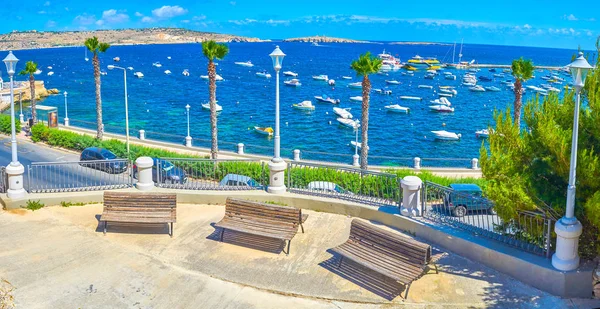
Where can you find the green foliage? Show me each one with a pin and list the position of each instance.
(34, 205)
(522, 69)
(95, 46)
(213, 50)
(5, 124)
(30, 68)
(69, 204)
(366, 64)
(275, 203)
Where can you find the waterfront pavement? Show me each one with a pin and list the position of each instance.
(57, 257)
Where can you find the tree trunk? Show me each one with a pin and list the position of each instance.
(518, 102)
(32, 89)
(100, 126)
(212, 90)
(364, 150)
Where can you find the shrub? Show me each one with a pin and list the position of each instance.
(5, 124)
(34, 205)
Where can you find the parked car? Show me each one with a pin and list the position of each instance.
(239, 181)
(466, 197)
(165, 171)
(112, 166)
(327, 187)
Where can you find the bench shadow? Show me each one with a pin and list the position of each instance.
(367, 279)
(132, 228)
(256, 242)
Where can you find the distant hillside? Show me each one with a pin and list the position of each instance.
(38, 39)
(323, 39)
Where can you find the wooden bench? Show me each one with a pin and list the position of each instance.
(139, 208)
(395, 256)
(279, 222)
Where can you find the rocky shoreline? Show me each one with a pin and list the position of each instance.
(323, 39)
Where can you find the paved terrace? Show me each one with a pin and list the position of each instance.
(57, 257)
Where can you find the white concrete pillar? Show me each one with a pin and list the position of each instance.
(66, 122)
(566, 257)
(411, 196)
(355, 160)
(188, 141)
(474, 163)
(417, 163)
(296, 154)
(142, 134)
(144, 173)
(15, 181)
(277, 177)
(22, 120)
(240, 147)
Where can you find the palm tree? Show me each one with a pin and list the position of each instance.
(95, 46)
(212, 50)
(364, 66)
(522, 70)
(30, 69)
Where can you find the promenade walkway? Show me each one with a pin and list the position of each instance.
(57, 257)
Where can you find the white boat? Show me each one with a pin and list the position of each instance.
(477, 88)
(354, 124)
(442, 108)
(326, 99)
(446, 136)
(247, 64)
(553, 89)
(448, 90)
(425, 86)
(38, 72)
(397, 108)
(383, 91)
(356, 99)
(355, 144)
(492, 88)
(268, 131)
(185, 72)
(167, 72)
(263, 74)
(482, 133)
(49, 67)
(218, 107)
(130, 68)
(406, 97)
(468, 84)
(290, 73)
(342, 112)
(293, 83)
(389, 62)
(138, 74)
(450, 76)
(392, 82)
(357, 85)
(304, 105)
(441, 101)
(116, 59)
(50, 73)
(157, 64)
(169, 57)
(321, 77)
(86, 57)
(447, 95)
(217, 77)
(103, 73)
(346, 77)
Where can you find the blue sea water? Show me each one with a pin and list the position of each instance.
(157, 101)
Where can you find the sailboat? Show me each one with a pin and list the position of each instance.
(460, 64)
(86, 57)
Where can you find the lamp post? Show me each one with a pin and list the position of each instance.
(568, 228)
(21, 117)
(66, 111)
(188, 138)
(110, 67)
(355, 157)
(15, 169)
(277, 166)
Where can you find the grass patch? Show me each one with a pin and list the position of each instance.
(69, 204)
(276, 203)
(34, 205)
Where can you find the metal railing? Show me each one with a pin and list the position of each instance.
(366, 187)
(529, 231)
(50, 177)
(207, 174)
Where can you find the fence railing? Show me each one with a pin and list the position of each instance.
(207, 174)
(49, 177)
(366, 187)
(529, 231)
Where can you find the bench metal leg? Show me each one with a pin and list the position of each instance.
(406, 292)
(436, 269)
(288, 247)
(172, 230)
(105, 223)
(340, 263)
(302, 226)
(222, 231)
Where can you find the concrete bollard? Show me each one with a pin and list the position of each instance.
(15, 181)
(417, 163)
(296, 154)
(240, 148)
(277, 176)
(411, 196)
(142, 134)
(355, 160)
(144, 173)
(474, 163)
(188, 141)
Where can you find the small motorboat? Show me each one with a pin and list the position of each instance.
(468, 84)
(492, 88)
(482, 133)
(392, 82)
(304, 105)
(138, 74)
(168, 72)
(342, 112)
(247, 64)
(37, 72)
(217, 77)
(169, 57)
(500, 75)
(268, 131)
(331, 82)
(186, 72)
(356, 98)
(383, 91)
(49, 67)
(326, 99)
(429, 76)
(441, 108)
(425, 86)
(553, 89)
(293, 83)
(354, 144)
(485, 78)
(290, 73)
(354, 124)
(450, 77)
(130, 68)
(263, 74)
(448, 90)
(116, 59)
(446, 136)
(346, 77)
(441, 101)
(321, 77)
(397, 109)
(50, 73)
(406, 97)
(103, 73)
(157, 64)
(447, 95)
(218, 107)
(477, 88)
(357, 85)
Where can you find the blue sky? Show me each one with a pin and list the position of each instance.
(548, 23)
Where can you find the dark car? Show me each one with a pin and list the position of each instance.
(102, 159)
(465, 198)
(165, 171)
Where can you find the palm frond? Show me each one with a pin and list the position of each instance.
(212, 50)
(522, 69)
(103, 47)
(92, 44)
(30, 68)
(366, 64)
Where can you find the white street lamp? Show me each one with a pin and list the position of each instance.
(21, 117)
(110, 67)
(188, 138)
(66, 111)
(15, 169)
(568, 228)
(277, 166)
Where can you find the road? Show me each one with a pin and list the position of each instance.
(58, 175)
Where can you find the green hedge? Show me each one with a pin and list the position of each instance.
(5, 124)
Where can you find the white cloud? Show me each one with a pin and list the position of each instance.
(114, 17)
(168, 11)
(243, 22)
(85, 19)
(570, 17)
(232, 3)
(47, 3)
(589, 33)
(50, 24)
(147, 19)
(42, 12)
(199, 17)
(138, 14)
(527, 26)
